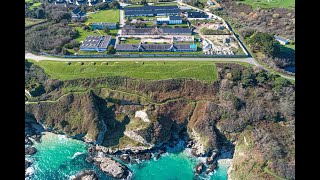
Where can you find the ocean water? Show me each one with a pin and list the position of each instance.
(59, 157)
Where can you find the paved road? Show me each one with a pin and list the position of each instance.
(41, 58)
(122, 21)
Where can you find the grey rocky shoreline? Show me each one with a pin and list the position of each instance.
(114, 162)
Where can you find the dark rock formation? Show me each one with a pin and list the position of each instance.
(125, 158)
(199, 168)
(85, 175)
(30, 150)
(111, 167)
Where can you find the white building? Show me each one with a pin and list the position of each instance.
(170, 20)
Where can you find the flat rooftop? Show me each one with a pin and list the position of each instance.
(92, 42)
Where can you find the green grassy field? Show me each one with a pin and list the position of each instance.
(204, 70)
(110, 15)
(289, 4)
(131, 41)
(83, 33)
(30, 21)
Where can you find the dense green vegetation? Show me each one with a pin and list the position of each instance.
(205, 71)
(290, 4)
(207, 31)
(266, 43)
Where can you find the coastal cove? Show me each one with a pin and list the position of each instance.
(60, 157)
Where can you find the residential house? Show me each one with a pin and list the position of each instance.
(210, 3)
(78, 15)
(281, 40)
(196, 15)
(96, 43)
(81, 2)
(156, 47)
(103, 25)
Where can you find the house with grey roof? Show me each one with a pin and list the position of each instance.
(155, 31)
(196, 15)
(156, 47)
(96, 43)
(151, 11)
(78, 15)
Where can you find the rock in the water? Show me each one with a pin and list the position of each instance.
(112, 167)
(27, 164)
(142, 157)
(30, 150)
(212, 167)
(125, 158)
(199, 168)
(211, 159)
(89, 159)
(27, 141)
(85, 175)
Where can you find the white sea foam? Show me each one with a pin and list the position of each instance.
(77, 154)
(29, 171)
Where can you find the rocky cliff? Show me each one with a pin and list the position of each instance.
(229, 110)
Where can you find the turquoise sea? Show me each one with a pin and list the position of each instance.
(59, 157)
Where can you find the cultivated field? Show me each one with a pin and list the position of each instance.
(204, 71)
(290, 4)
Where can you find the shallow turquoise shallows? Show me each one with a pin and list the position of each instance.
(59, 157)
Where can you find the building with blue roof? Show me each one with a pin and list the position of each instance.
(281, 40)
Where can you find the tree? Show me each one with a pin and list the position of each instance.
(111, 50)
(40, 14)
(266, 43)
(271, 48)
(144, 2)
(101, 6)
(279, 83)
(106, 30)
(261, 77)
(236, 74)
(114, 5)
(248, 78)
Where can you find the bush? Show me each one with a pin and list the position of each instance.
(111, 50)
(101, 6)
(248, 78)
(279, 83)
(236, 74)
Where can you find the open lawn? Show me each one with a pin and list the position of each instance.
(110, 15)
(204, 70)
(131, 41)
(34, 5)
(84, 33)
(30, 21)
(289, 4)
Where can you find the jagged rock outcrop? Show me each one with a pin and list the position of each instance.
(30, 150)
(111, 167)
(85, 175)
